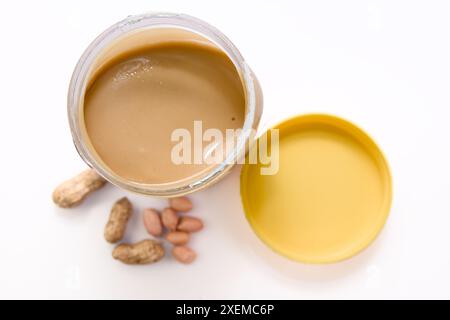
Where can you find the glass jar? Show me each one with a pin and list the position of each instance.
(103, 46)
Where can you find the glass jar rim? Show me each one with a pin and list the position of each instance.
(132, 23)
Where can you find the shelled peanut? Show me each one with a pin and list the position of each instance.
(169, 219)
(190, 224)
(178, 237)
(152, 222)
(179, 229)
(181, 204)
(184, 254)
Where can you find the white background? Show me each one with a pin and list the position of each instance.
(381, 64)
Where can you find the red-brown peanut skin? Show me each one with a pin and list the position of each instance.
(184, 254)
(152, 222)
(178, 237)
(169, 219)
(182, 204)
(190, 224)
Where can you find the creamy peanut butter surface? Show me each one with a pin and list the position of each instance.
(135, 102)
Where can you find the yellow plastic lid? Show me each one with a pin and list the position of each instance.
(331, 195)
